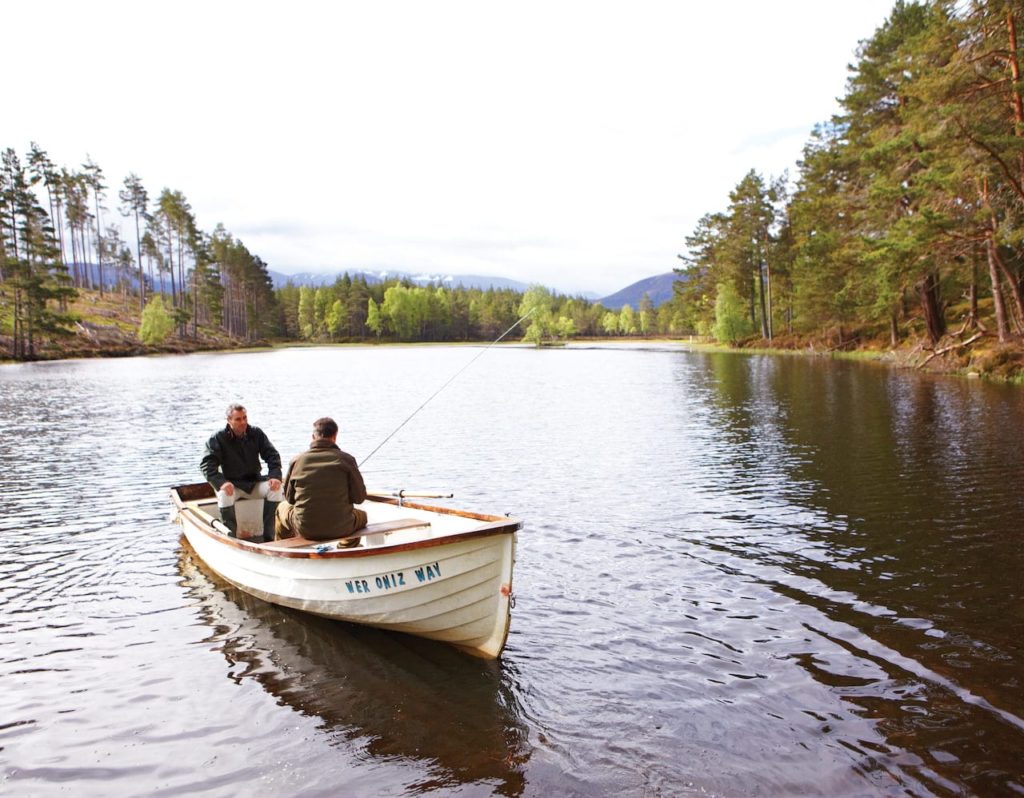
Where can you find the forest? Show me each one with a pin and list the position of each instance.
(906, 217)
(903, 222)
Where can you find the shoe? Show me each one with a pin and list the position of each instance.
(227, 517)
(269, 520)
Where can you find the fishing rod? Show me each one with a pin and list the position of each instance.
(450, 380)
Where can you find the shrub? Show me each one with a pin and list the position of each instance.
(156, 322)
(731, 320)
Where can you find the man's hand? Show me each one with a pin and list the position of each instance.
(228, 488)
(275, 484)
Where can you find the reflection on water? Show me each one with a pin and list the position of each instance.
(392, 696)
(895, 515)
(738, 576)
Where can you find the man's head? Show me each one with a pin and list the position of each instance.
(325, 429)
(238, 421)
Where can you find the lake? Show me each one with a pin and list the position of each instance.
(738, 575)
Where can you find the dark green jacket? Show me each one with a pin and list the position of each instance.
(237, 460)
(322, 485)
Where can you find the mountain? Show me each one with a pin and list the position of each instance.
(658, 288)
(452, 280)
(311, 279)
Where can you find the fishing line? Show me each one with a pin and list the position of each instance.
(450, 380)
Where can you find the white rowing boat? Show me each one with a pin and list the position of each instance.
(434, 572)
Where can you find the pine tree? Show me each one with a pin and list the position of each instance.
(93, 179)
(134, 202)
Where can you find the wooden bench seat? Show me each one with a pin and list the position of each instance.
(382, 528)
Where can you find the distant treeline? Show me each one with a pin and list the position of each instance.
(908, 212)
(352, 309)
(56, 239)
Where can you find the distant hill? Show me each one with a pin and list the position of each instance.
(453, 280)
(658, 288)
(302, 278)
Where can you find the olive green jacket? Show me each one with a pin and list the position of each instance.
(322, 485)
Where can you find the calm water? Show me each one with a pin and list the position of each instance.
(738, 576)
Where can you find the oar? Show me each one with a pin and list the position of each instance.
(409, 494)
(402, 495)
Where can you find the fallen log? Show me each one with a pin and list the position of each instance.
(950, 348)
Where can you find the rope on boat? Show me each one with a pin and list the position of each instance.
(450, 380)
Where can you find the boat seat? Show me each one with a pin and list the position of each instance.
(382, 528)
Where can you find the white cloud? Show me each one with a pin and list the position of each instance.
(571, 143)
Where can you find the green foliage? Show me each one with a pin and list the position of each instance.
(538, 303)
(374, 320)
(565, 327)
(307, 311)
(405, 310)
(731, 320)
(744, 246)
(157, 323)
(912, 195)
(33, 276)
(250, 306)
(648, 319)
(213, 279)
(323, 301)
(335, 319)
(628, 321)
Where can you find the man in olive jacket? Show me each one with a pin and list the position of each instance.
(231, 465)
(321, 486)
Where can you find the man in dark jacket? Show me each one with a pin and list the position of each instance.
(232, 466)
(322, 485)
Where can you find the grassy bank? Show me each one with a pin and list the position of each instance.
(108, 326)
(984, 357)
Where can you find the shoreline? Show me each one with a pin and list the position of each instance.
(1013, 353)
(107, 327)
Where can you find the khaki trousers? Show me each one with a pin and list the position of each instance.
(286, 527)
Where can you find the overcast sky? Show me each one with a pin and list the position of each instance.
(574, 144)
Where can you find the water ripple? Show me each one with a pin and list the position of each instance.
(738, 576)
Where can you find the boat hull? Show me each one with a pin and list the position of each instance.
(448, 580)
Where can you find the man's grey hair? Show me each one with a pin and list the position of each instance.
(325, 428)
(233, 407)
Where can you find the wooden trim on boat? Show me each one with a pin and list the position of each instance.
(382, 528)
(204, 490)
(204, 523)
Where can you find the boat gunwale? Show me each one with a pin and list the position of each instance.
(500, 526)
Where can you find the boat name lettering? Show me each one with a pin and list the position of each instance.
(427, 572)
(383, 582)
(389, 581)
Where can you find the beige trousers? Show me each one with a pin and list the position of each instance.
(286, 527)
